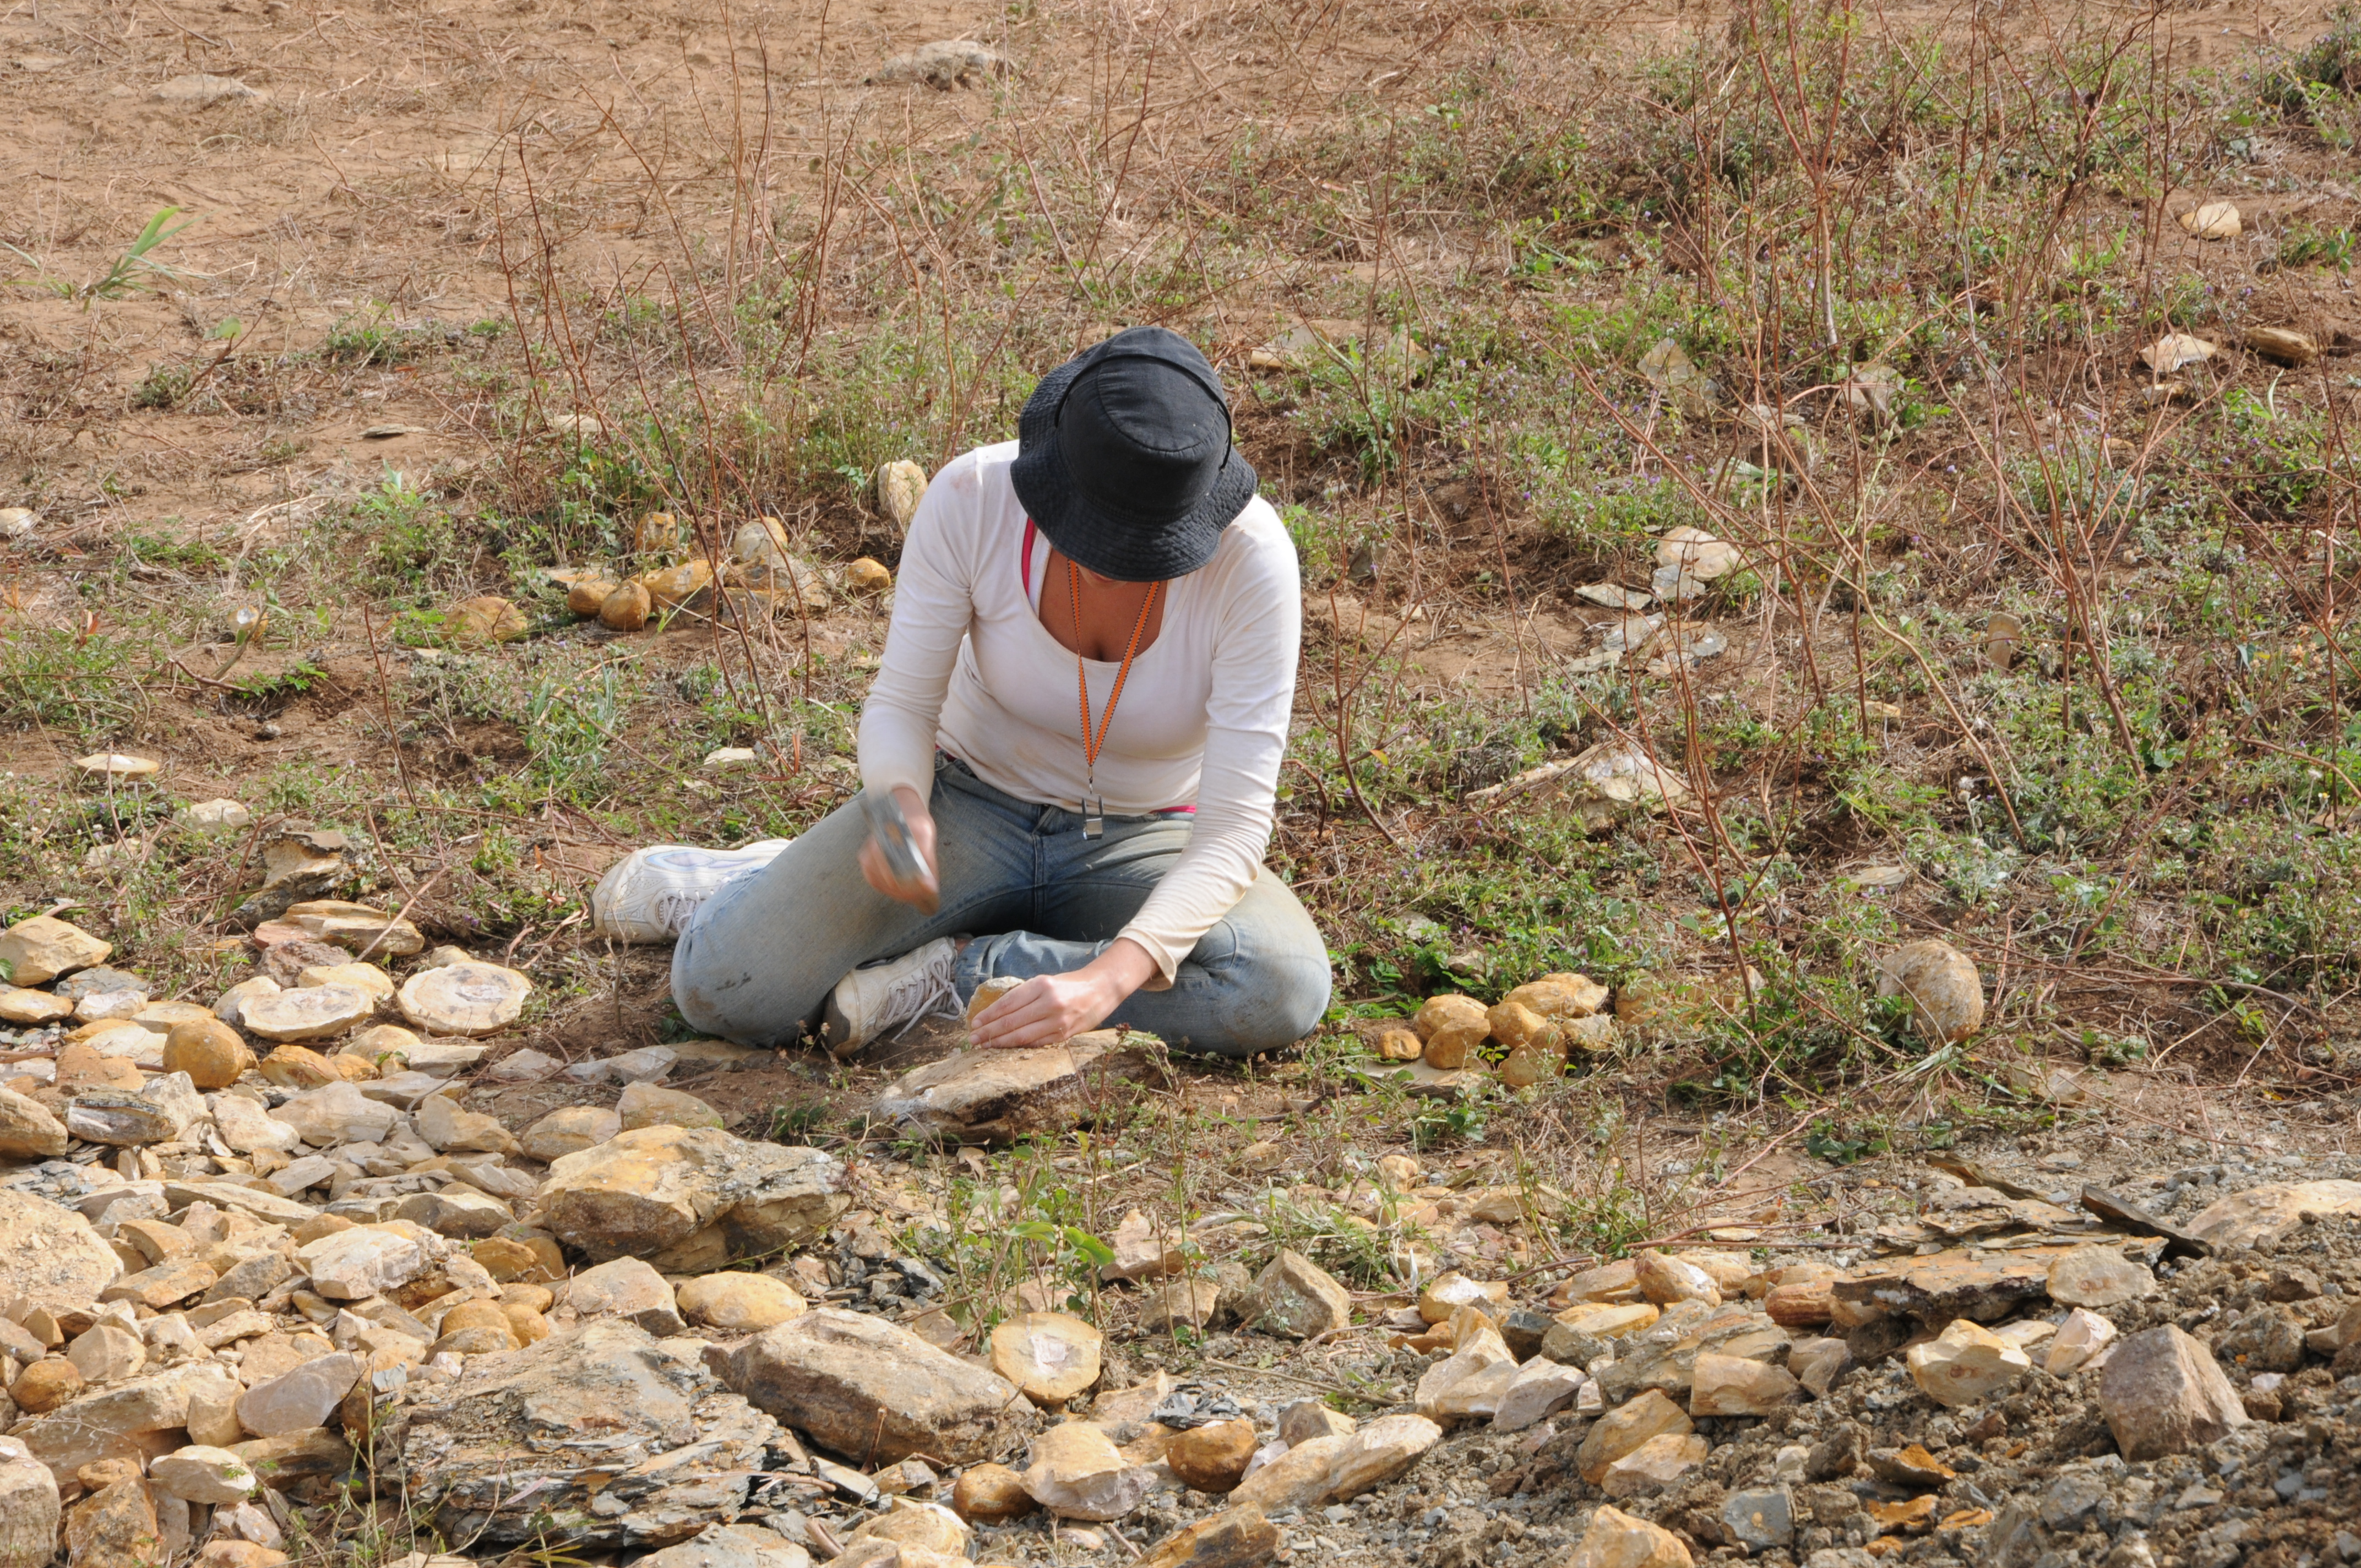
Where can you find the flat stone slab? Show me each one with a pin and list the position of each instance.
(988, 1096)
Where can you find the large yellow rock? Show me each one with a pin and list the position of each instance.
(212, 1054)
(741, 1303)
(484, 620)
(1448, 1012)
(1946, 994)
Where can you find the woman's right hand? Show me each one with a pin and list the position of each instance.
(922, 838)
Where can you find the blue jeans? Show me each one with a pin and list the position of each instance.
(757, 964)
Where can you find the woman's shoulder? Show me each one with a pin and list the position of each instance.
(978, 469)
(1256, 548)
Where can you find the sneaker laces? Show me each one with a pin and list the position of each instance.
(927, 993)
(676, 907)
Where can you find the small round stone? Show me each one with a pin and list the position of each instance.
(213, 1054)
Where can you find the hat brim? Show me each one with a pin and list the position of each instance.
(1111, 546)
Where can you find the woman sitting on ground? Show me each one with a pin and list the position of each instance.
(1081, 709)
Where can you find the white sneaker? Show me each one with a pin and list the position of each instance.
(652, 895)
(893, 995)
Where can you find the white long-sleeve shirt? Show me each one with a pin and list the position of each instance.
(1202, 718)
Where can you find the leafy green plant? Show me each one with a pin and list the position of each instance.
(128, 273)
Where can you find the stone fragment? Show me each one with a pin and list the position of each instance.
(1966, 1364)
(50, 1256)
(45, 1385)
(1180, 1303)
(570, 1129)
(585, 594)
(1800, 1304)
(1655, 1465)
(211, 1052)
(1296, 1298)
(123, 1422)
(20, 1006)
(115, 1527)
(990, 1494)
(690, 1200)
(29, 1510)
(38, 950)
(367, 1260)
(860, 1386)
(1213, 1458)
(28, 1131)
(357, 928)
(248, 1128)
(1946, 995)
(229, 1552)
(297, 1067)
(468, 1447)
(469, 999)
(336, 1114)
(642, 1066)
(1759, 1519)
(159, 1288)
(1540, 1390)
(1734, 1386)
(115, 1117)
(1622, 1430)
(1140, 1251)
(996, 1096)
(1237, 1537)
(740, 1304)
(306, 1012)
(626, 608)
(2098, 1275)
(2079, 1338)
(448, 1129)
(300, 1398)
(1053, 1356)
(230, 1006)
(1663, 1279)
(1075, 1470)
(2268, 1213)
(484, 620)
(1472, 1379)
(201, 1474)
(459, 1213)
(901, 486)
(1616, 1539)
(1940, 1286)
(1818, 1362)
(1447, 1292)
(650, 1105)
(629, 1289)
(2284, 345)
(359, 976)
(1560, 997)
(2268, 1338)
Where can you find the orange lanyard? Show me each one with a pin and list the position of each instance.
(1094, 810)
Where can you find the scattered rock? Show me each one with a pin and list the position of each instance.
(307, 1012)
(471, 1450)
(651, 1105)
(570, 1129)
(1296, 1298)
(50, 1258)
(1759, 1519)
(626, 608)
(2211, 220)
(1623, 1429)
(1946, 995)
(1540, 1389)
(352, 1265)
(1663, 1279)
(1213, 1458)
(690, 1200)
(2283, 345)
(197, 90)
(28, 1131)
(448, 1129)
(1053, 1356)
(1076, 1471)
(201, 1474)
(2098, 1275)
(741, 1303)
(1655, 1465)
(2243, 1219)
(212, 1054)
(2078, 1339)
(863, 1386)
(2161, 1392)
(1734, 1386)
(997, 1096)
(1234, 1538)
(35, 951)
(466, 999)
(1616, 1539)
(479, 622)
(627, 1289)
(901, 485)
(1966, 1364)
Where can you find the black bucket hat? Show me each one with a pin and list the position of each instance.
(1124, 457)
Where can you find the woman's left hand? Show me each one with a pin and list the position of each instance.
(1050, 1008)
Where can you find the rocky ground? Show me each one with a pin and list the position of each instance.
(314, 1305)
